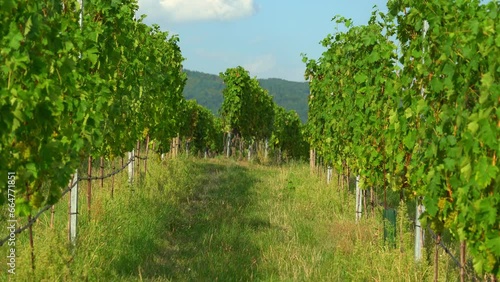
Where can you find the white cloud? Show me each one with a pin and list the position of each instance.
(199, 10)
(262, 66)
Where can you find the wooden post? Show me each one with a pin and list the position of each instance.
(102, 172)
(177, 144)
(224, 142)
(32, 247)
(462, 261)
(365, 195)
(146, 159)
(372, 201)
(312, 160)
(342, 178)
(318, 164)
(30, 230)
(385, 196)
(240, 146)
(69, 210)
(113, 177)
(385, 178)
(138, 160)
(347, 176)
(172, 148)
(436, 258)
(89, 185)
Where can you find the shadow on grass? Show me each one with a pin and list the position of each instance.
(206, 233)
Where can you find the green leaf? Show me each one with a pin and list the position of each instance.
(360, 77)
(449, 164)
(431, 206)
(92, 55)
(23, 207)
(465, 170)
(27, 26)
(485, 172)
(473, 126)
(437, 84)
(408, 113)
(31, 168)
(421, 105)
(15, 37)
(409, 140)
(494, 245)
(374, 56)
(487, 80)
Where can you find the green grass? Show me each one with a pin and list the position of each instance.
(221, 220)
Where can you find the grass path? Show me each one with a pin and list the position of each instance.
(243, 222)
(219, 220)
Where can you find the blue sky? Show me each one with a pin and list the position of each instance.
(266, 37)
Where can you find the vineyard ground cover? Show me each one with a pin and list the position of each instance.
(221, 220)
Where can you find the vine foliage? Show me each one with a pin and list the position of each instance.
(422, 117)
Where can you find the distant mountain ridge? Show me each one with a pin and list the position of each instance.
(206, 89)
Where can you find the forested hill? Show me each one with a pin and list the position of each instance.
(207, 90)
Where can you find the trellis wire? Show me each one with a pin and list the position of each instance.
(47, 207)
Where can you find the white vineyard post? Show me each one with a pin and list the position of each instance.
(73, 191)
(266, 148)
(359, 199)
(131, 167)
(419, 231)
(73, 207)
(329, 174)
(52, 211)
(249, 151)
(228, 144)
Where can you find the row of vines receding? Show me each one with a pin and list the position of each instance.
(79, 81)
(410, 101)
